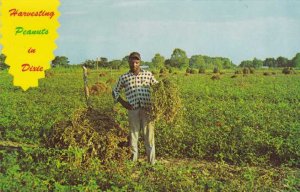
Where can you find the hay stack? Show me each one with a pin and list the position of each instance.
(111, 81)
(166, 102)
(94, 131)
(102, 74)
(98, 88)
(49, 74)
(215, 77)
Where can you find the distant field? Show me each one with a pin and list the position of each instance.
(238, 133)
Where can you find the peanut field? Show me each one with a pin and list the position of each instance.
(237, 133)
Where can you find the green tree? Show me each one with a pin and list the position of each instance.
(227, 64)
(197, 61)
(282, 62)
(60, 61)
(296, 61)
(179, 59)
(124, 62)
(3, 65)
(168, 63)
(218, 63)
(257, 63)
(246, 63)
(90, 63)
(208, 62)
(270, 62)
(158, 61)
(115, 64)
(103, 62)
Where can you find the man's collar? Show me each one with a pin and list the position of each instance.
(131, 73)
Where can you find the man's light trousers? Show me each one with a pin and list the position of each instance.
(139, 120)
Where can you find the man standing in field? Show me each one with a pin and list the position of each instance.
(137, 84)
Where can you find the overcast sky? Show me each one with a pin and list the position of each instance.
(236, 29)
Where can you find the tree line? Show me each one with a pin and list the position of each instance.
(272, 62)
(178, 59)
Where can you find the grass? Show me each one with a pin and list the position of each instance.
(238, 134)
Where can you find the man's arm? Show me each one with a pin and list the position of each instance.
(118, 98)
(124, 103)
(153, 80)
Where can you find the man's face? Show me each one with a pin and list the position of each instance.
(134, 65)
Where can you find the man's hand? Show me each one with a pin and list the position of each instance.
(125, 104)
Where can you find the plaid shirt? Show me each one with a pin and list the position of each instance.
(137, 88)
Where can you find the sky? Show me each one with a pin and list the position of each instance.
(236, 29)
